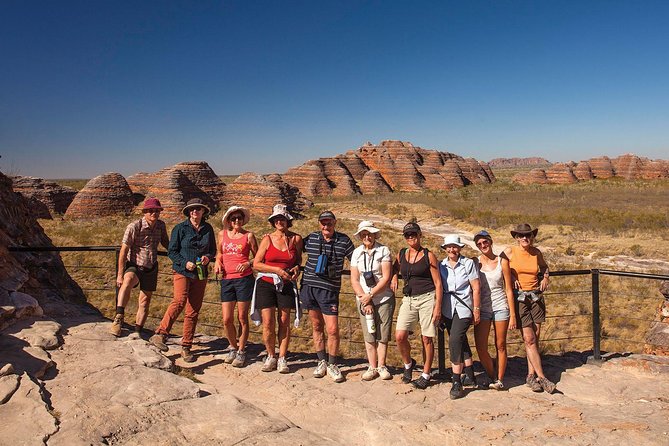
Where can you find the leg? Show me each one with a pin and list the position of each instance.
(181, 289)
(332, 327)
(143, 307)
(501, 328)
(228, 310)
(532, 351)
(193, 305)
(382, 352)
(428, 347)
(268, 327)
(130, 279)
(402, 339)
(318, 325)
(243, 316)
(481, 333)
(284, 331)
(372, 357)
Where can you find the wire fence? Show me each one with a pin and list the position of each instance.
(584, 311)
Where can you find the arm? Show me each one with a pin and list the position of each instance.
(543, 269)
(438, 291)
(219, 268)
(476, 296)
(211, 248)
(164, 240)
(395, 272)
(253, 248)
(295, 270)
(260, 266)
(122, 255)
(508, 289)
(174, 251)
(513, 280)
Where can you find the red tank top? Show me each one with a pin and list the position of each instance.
(235, 251)
(281, 259)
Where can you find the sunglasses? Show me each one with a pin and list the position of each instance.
(366, 234)
(237, 218)
(152, 211)
(482, 243)
(409, 235)
(197, 209)
(527, 236)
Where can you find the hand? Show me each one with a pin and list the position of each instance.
(393, 284)
(204, 260)
(190, 266)
(294, 272)
(243, 266)
(219, 269)
(368, 309)
(477, 316)
(285, 275)
(512, 322)
(543, 286)
(436, 316)
(365, 299)
(119, 280)
(516, 284)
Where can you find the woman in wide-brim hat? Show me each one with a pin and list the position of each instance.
(278, 264)
(192, 246)
(371, 271)
(236, 247)
(527, 263)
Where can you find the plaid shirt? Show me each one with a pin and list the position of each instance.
(144, 246)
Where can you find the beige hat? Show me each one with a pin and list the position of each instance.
(245, 212)
(368, 226)
(452, 239)
(280, 210)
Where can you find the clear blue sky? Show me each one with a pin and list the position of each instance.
(88, 87)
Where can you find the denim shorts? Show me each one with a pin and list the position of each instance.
(237, 290)
(496, 315)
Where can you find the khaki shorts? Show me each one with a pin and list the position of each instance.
(383, 319)
(417, 309)
(529, 313)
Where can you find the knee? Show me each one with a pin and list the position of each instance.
(428, 341)
(401, 336)
(228, 320)
(530, 339)
(333, 331)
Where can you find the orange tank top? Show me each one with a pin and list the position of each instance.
(525, 267)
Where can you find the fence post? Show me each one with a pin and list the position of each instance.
(596, 321)
(441, 352)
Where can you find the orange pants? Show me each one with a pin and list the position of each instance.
(188, 293)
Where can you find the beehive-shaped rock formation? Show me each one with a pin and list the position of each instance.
(402, 166)
(173, 188)
(140, 182)
(104, 195)
(203, 177)
(373, 183)
(259, 193)
(583, 172)
(47, 198)
(561, 173)
(601, 167)
(534, 176)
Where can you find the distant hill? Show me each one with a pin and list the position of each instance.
(534, 161)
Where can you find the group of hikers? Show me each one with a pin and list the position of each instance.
(502, 291)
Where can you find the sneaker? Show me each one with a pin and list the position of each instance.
(335, 374)
(483, 381)
(270, 364)
(282, 365)
(497, 385)
(456, 391)
(321, 369)
(467, 381)
(240, 359)
(186, 355)
(421, 383)
(117, 325)
(230, 357)
(384, 373)
(407, 374)
(546, 384)
(532, 383)
(370, 374)
(158, 340)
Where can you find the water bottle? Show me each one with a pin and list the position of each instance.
(371, 326)
(198, 266)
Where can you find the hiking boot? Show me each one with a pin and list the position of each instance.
(482, 381)
(186, 355)
(456, 391)
(421, 383)
(467, 381)
(384, 373)
(497, 385)
(282, 365)
(230, 357)
(547, 385)
(240, 359)
(370, 374)
(270, 364)
(158, 340)
(407, 374)
(117, 325)
(532, 383)
(321, 369)
(335, 374)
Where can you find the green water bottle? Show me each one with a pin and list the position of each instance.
(198, 266)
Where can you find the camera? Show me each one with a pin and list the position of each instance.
(332, 272)
(370, 280)
(406, 289)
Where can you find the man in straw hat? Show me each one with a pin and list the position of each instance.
(138, 263)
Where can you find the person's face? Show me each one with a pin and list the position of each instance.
(453, 251)
(484, 245)
(327, 227)
(280, 222)
(196, 213)
(367, 238)
(525, 239)
(152, 215)
(412, 238)
(236, 220)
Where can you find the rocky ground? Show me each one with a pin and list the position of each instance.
(73, 383)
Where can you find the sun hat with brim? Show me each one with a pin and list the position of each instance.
(524, 229)
(368, 226)
(411, 227)
(482, 234)
(231, 210)
(152, 203)
(193, 203)
(280, 210)
(452, 240)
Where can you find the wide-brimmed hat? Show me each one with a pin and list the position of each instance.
(245, 212)
(368, 226)
(452, 239)
(152, 203)
(280, 210)
(195, 202)
(524, 229)
(482, 234)
(411, 227)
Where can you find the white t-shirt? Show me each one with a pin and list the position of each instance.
(371, 260)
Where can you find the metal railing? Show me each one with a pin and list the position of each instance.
(594, 291)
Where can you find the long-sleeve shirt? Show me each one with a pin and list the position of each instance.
(187, 244)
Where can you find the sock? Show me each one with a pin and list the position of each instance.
(469, 371)
(321, 355)
(332, 359)
(120, 310)
(426, 376)
(456, 378)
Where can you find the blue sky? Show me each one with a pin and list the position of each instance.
(97, 86)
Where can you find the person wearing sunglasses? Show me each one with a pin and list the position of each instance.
(497, 306)
(235, 245)
(138, 263)
(192, 246)
(421, 303)
(529, 272)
